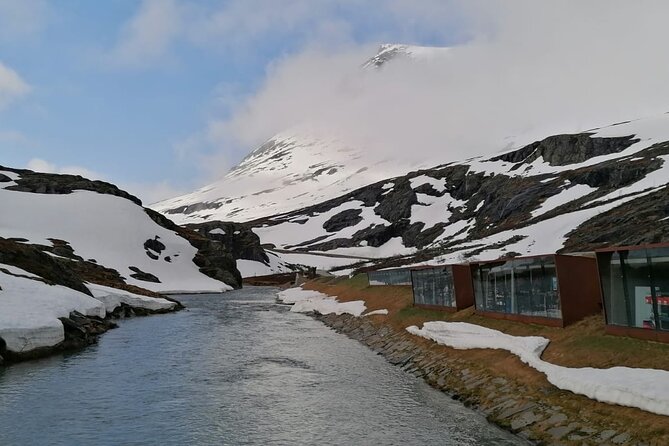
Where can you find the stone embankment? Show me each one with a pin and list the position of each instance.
(502, 401)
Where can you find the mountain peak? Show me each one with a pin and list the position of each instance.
(390, 51)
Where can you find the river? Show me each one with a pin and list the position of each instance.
(232, 369)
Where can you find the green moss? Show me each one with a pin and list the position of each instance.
(415, 312)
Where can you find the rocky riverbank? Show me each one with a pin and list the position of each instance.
(505, 402)
(81, 331)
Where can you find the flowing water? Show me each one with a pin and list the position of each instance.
(233, 369)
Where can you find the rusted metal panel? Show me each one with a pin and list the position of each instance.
(579, 287)
(464, 286)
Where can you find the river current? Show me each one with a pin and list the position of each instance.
(232, 369)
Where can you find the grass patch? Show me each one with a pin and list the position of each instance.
(413, 313)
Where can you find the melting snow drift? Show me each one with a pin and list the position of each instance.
(305, 301)
(626, 386)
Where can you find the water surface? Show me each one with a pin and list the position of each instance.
(234, 369)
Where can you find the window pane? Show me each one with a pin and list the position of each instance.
(637, 289)
(434, 286)
(660, 274)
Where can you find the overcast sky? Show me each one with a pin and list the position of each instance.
(161, 96)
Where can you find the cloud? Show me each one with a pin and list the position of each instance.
(40, 165)
(529, 69)
(21, 19)
(147, 36)
(147, 192)
(238, 28)
(151, 193)
(12, 86)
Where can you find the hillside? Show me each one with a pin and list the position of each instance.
(570, 192)
(72, 249)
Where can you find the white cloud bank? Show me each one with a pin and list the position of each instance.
(532, 69)
(12, 86)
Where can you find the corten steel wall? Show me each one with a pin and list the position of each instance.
(464, 286)
(579, 291)
(579, 287)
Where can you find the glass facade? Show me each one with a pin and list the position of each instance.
(390, 277)
(520, 286)
(635, 286)
(434, 286)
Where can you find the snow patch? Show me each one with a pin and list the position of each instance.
(29, 311)
(112, 298)
(375, 312)
(305, 301)
(633, 387)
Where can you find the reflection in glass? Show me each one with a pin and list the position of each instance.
(520, 286)
(390, 277)
(434, 286)
(635, 286)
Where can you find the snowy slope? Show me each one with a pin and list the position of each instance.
(296, 168)
(292, 170)
(30, 309)
(109, 229)
(530, 200)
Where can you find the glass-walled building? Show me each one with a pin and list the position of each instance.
(447, 287)
(552, 289)
(635, 288)
(397, 276)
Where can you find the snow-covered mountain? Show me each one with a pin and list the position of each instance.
(298, 167)
(566, 192)
(72, 249)
(108, 230)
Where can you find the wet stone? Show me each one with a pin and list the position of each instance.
(516, 410)
(558, 418)
(560, 431)
(605, 435)
(524, 420)
(621, 439)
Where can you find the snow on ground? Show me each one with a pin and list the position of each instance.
(565, 196)
(432, 210)
(29, 310)
(535, 240)
(649, 130)
(109, 229)
(316, 260)
(293, 233)
(375, 312)
(392, 247)
(12, 176)
(645, 389)
(305, 301)
(437, 184)
(113, 298)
